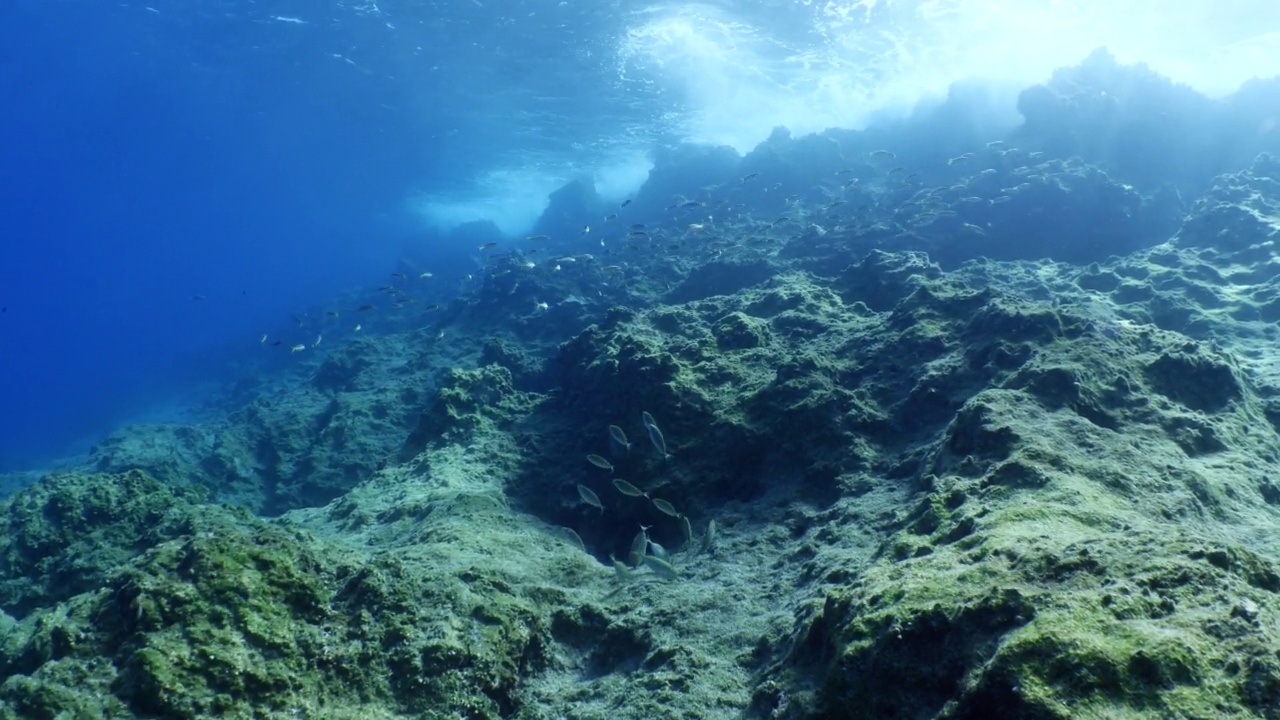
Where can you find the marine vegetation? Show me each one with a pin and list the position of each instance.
(921, 426)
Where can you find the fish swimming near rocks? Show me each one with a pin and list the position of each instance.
(659, 442)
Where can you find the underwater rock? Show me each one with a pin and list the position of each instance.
(1142, 127)
(737, 331)
(151, 604)
(468, 402)
(68, 533)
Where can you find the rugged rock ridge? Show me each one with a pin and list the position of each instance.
(902, 487)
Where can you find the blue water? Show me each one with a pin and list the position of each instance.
(180, 178)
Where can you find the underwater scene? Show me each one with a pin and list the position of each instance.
(629, 360)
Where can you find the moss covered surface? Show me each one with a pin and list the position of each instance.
(902, 486)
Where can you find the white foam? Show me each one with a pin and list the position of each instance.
(740, 70)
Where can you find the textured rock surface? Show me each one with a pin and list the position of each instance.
(996, 442)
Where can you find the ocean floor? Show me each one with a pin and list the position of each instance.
(993, 435)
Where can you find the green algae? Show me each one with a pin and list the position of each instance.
(968, 494)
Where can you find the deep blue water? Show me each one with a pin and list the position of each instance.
(180, 177)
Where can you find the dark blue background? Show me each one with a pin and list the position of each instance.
(137, 173)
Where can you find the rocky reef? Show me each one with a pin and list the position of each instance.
(995, 435)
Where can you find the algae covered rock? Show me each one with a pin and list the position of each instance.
(190, 610)
(66, 534)
(737, 331)
(467, 402)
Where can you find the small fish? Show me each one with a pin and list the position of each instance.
(618, 439)
(276, 343)
(666, 507)
(686, 528)
(661, 568)
(628, 489)
(536, 238)
(691, 204)
(487, 246)
(263, 341)
(659, 442)
(709, 540)
(333, 314)
(398, 276)
(540, 307)
(364, 308)
(586, 229)
(995, 144)
(316, 344)
(658, 551)
(297, 348)
(625, 202)
(198, 298)
(611, 216)
(639, 544)
(589, 497)
(620, 571)
(750, 176)
(960, 158)
(647, 420)
(1001, 199)
(600, 462)
(425, 275)
(574, 538)
(431, 308)
(882, 154)
(357, 328)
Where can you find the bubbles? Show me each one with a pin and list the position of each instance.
(729, 73)
(512, 199)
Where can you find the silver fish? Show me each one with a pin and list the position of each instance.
(709, 540)
(589, 497)
(639, 545)
(628, 489)
(664, 506)
(618, 439)
(657, 550)
(659, 442)
(573, 538)
(620, 571)
(600, 462)
(661, 568)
